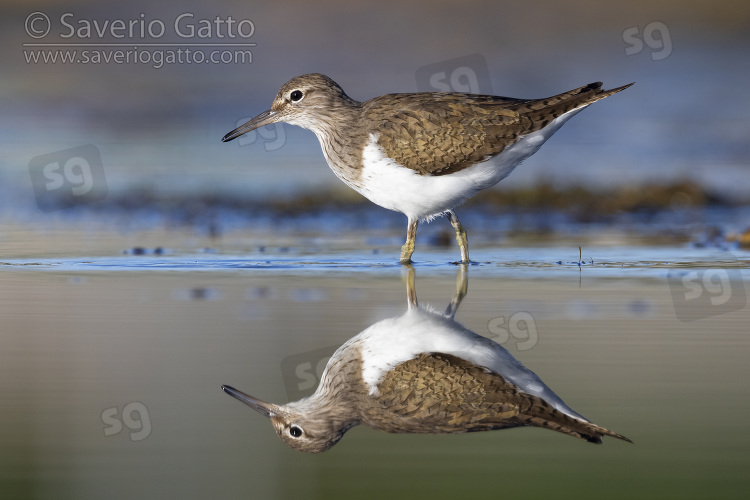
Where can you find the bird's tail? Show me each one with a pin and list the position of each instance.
(540, 112)
(541, 414)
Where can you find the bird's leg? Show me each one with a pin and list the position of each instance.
(463, 242)
(408, 248)
(462, 287)
(411, 288)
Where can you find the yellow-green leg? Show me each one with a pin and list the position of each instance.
(463, 241)
(408, 249)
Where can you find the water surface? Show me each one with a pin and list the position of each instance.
(112, 364)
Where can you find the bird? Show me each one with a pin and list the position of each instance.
(421, 373)
(424, 153)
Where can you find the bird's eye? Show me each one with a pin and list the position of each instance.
(295, 431)
(296, 96)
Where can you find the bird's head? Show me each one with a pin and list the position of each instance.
(308, 101)
(299, 426)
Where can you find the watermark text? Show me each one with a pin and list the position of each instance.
(655, 35)
(133, 416)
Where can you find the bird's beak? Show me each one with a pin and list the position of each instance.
(269, 410)
(265, 118)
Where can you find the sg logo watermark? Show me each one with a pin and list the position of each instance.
(68, 178)
(272, 136)
(702, 293)
(467, 74)
(135, 417)
(302, 372)
(520, 327)
(656, 37)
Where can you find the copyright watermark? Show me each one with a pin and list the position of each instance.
(467, 74)
(68, 178)
(38, 25)
(519, 327)
(183, 39)
(272, 136)
(705, 292)
(655, 35)
(133, 415)
(302, 372)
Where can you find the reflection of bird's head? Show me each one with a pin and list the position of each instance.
(304, 428)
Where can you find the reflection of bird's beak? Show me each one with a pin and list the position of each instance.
(265, 118)
(267, 409)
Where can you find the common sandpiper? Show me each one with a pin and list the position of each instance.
(422, 154)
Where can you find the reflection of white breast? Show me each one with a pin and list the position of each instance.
(395, 340)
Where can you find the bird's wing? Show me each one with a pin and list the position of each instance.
(438, 134)
(441, 393)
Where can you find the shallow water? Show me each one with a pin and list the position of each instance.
(112, 364)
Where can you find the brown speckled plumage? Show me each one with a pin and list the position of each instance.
(440, 393)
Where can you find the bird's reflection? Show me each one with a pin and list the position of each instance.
(422, 372)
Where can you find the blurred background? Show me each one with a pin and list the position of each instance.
(157, 123)
(145, 263)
